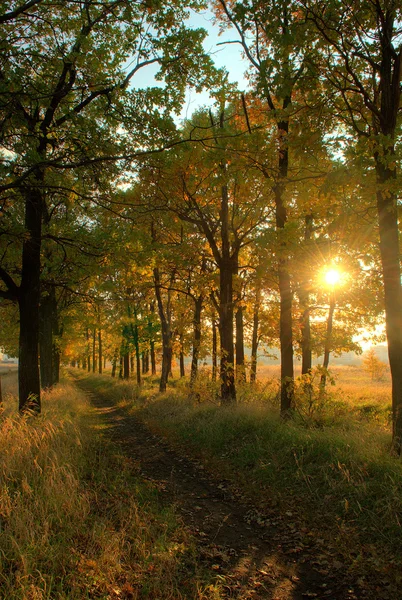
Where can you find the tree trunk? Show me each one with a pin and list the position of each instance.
(94, 365)
(57, 334)
(227, 268)
(198, 302)
(305, 341)
(328, 339)
(151, 338)
(46, 341)
(286, 341)
(240, 363)
(387, 208)
(304, 298)
(56, 365)
(137, 352)
(88, 352)
(166, 334)
(28, 304)
(166, 361)
(28, 366)
(100, 357)
(126, 365)
(182, 371)
(153, 357)
(390, 259)
(181, 363)
(114, 362)
(228, 388)
(214, 349)
(239, 343)
(254, 337)
(285, 290)
(138, 364)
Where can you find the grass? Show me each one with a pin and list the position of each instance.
(340, 476)
(77, 521)
(330, 468)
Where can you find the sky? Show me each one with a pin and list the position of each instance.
(228, 56)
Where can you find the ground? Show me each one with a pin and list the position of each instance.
(254, 554)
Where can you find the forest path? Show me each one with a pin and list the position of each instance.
(254, 555)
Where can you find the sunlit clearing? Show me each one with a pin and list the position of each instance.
(332, 277)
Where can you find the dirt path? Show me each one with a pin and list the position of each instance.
(255, 556)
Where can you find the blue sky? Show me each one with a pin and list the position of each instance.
(226, 55)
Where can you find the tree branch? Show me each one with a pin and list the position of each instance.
(12, 288)
(13, 14)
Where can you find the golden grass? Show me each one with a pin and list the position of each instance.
(352, 384)
(76, 521)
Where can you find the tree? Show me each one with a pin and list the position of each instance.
(362, 56)
(64, 96)
(373, 365)
(277, 45)
(215, 191)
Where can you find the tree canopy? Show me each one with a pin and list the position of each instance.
(129, 236)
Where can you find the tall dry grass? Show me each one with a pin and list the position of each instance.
(76, 521)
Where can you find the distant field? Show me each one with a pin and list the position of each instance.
(9, 385)
(354, 383)
(351, 383)
(8, 367)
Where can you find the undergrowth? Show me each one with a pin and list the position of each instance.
(338, 482)
(329, 468)
(76, 521)
(330, 465)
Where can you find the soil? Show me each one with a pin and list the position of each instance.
(255, 555)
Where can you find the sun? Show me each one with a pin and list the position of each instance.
(332, 277)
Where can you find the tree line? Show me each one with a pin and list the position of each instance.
(176, 236)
